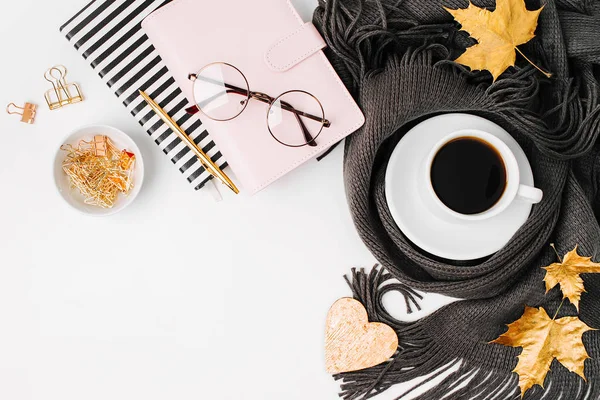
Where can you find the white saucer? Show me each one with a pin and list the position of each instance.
(464, 240)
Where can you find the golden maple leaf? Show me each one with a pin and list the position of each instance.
(566, 274)
(498, 34)
(542, 340)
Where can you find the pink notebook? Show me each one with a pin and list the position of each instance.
(277, 52)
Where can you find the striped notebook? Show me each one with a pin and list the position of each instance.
(108, 33)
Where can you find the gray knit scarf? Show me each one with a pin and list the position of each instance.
(395, 58)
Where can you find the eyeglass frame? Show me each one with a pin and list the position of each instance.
(267, 99)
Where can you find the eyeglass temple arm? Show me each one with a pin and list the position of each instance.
(307, 136)
(290, 108)
(238, 90)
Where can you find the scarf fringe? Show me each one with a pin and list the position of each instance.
(366, 35)
(421, 361)
(363, 36)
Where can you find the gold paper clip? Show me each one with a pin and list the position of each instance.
(62, 93)
(27, 113)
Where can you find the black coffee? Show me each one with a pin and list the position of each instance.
(468, 175)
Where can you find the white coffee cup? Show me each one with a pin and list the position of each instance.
(513, 191)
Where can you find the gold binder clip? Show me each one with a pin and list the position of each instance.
(27, 113)
(62, 93)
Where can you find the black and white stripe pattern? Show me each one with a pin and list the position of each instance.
(109, 34)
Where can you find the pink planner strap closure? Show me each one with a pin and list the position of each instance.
(294, 48)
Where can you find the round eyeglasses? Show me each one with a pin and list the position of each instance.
(221, 93)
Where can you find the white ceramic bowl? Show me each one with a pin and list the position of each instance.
(72, 196)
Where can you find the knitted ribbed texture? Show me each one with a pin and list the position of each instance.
(394, 56)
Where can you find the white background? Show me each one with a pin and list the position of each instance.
(177, 297)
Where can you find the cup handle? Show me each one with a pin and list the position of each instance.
(530, 194)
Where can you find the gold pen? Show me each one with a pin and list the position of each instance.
(210, 166)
